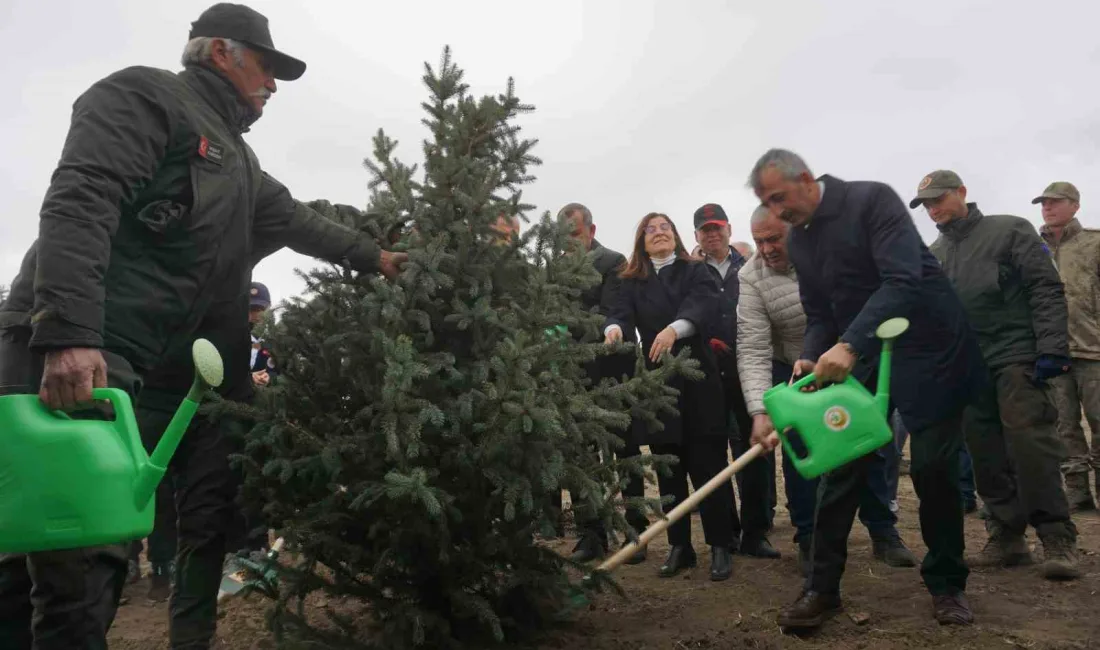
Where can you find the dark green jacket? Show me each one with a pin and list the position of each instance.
(1008, 284)
(154, 218)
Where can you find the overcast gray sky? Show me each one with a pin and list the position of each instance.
(640, 105)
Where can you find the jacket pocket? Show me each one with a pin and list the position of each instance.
(160, 216)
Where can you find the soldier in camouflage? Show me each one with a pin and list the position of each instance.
(1076, 252)
(1015, 304)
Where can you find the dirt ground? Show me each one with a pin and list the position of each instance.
(1014, 608)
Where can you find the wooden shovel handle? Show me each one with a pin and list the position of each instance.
(682, 509)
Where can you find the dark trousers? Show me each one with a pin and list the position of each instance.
(162, 541)
(701, 458)
(752, 481)
(58, 599)
(966, 466)
(935, 473)
(1012, 431)
(874, 492)
(967, 483)
(205, 490)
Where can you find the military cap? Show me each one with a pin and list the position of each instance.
(935, 185)
(1059, 190)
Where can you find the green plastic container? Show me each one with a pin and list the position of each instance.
(838, 423)
(68, 483)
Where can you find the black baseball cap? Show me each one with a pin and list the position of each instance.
(248, 26)
(710, 213)
(259, 296)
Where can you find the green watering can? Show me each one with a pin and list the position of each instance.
(67, 483)
(838, 423)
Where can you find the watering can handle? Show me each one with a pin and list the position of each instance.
(810, 377)
(803, 381)
(100, 395)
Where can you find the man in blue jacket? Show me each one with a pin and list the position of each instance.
(861, 262)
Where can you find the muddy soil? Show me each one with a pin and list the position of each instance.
(885, 607)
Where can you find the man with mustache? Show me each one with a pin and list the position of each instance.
(861, 262)
(153, 220)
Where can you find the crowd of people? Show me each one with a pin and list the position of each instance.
(158, 211)
(989, 383)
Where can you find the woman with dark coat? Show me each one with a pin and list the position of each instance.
(671, 300)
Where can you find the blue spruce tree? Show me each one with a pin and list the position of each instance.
(421, 427)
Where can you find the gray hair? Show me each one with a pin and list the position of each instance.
(569, 209)
(760, 215)
(198, 51)
(788, 163)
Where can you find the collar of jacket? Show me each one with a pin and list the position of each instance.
(735, 258)
(1071, 228)
(960, 228)
(595, 245)
(832, 199)
(221, 94)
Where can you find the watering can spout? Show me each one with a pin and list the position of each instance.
(887, 331)
(209, 373)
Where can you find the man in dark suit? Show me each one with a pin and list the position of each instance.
(860, 262)
(712, 231)
(593, 537)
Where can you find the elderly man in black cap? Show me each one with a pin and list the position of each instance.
(712, 231)
(153, 220)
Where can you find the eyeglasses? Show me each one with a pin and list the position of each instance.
(664, 226)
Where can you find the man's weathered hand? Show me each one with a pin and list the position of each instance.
(763, 432)
(261, 378)
(614, 335)
(69, 376)
(663, 343)
(835, 365)
(390, 263)
(802, 367)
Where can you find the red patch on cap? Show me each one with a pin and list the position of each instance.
(204, 146)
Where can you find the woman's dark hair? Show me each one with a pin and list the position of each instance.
(637, 267)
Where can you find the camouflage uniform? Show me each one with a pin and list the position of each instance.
(1077, 255)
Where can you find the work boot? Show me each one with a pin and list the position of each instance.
(952, 609)
(721, 563)
(1077, 492)
(160, 586)
(1059, 556)
(588, 548)
(1003, 549)
(810, 610)
(638, 557)
(679, 558)
(758, 546)
(892, 552)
